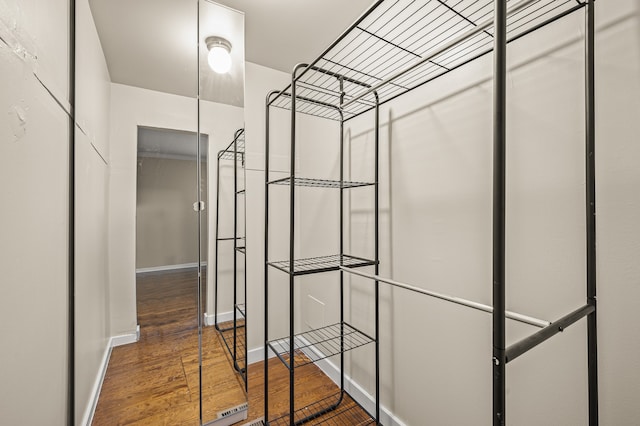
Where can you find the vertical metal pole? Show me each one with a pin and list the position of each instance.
(244, 186)
(292, 193)
(590, 169)
(235, 250)
(499, 183)
(342, 372)
(377, 251)
(71, 258)
(266, 260)
(199, 297)
(215, 262)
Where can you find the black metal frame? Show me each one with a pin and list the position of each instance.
(234, 336)
(375, 58)
(71, 255)
(342, 336)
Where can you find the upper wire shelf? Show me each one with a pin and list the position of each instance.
(314, 265)
(415, 41)
(318, 183)
(235, 150)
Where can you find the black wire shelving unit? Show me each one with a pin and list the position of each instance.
(300, 349)
(233, 332)
(391, 49)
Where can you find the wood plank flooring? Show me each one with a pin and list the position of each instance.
(155, 381)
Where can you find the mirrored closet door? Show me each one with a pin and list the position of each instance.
(172, 88)
(221, 113)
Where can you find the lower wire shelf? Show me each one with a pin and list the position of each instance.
(226, 333)
(320, 343)
(338, 409)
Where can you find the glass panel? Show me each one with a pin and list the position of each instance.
(137, 109)
(150, 110)
(221, 102)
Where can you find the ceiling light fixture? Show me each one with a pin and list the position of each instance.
(219, 57)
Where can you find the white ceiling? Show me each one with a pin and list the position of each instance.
(282, 33)
(151, 43)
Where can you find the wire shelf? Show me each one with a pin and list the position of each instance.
(339, 410)
(226, 155)
(320, 343)
(319, 183)
(234, 151)
(227, 338)
(394, 37)
(314, 265)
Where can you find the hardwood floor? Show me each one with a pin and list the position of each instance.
(155, 381)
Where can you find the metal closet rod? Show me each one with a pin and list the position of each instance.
(436, 52)
(457, 300)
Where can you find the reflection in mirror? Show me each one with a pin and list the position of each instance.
(223, 343)
(231, 250)
(167, 111)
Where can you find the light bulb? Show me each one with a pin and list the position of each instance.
(219, 59)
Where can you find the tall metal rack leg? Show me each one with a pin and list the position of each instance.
(266, 259)
(342, 94)
(246, 311)
(235, 252)
(377, 250)
(592, 339)
(292, 198)
(215, 261)
(499, 179)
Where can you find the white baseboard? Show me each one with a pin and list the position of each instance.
(168, 267)
(114, 341)
(257, 355)
(125, 339)
(209, 319)
(90, 410)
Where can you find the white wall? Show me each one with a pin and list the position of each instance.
(34, 212)
(92, 170)
(164, 216)
(618, 207)
(436, 231)
(132, 107)
(259, 81)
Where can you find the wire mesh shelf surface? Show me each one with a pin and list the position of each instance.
(318, 183)
(314, 265)
(346, 413)
(320, 343)
(398, 34)
(240, 347)
(235, 150)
